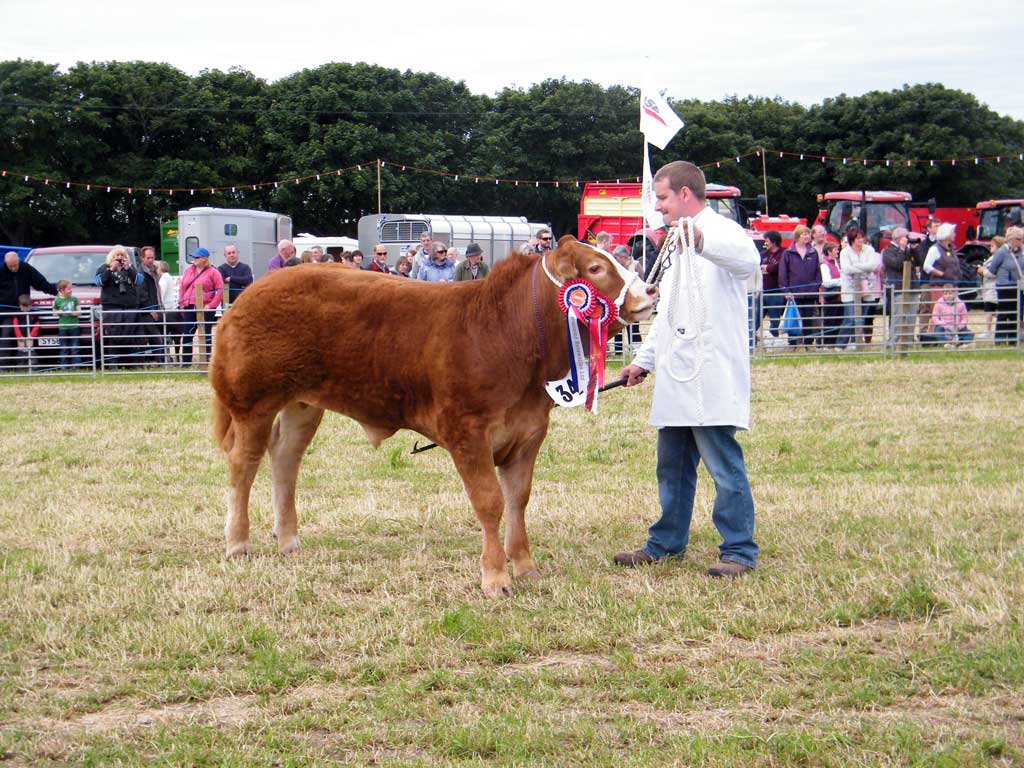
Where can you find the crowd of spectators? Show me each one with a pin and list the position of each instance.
(838, 290)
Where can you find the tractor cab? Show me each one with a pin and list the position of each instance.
(876, 213)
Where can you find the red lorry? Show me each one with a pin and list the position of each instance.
(615, 208)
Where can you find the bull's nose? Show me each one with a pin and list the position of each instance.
(652, 290)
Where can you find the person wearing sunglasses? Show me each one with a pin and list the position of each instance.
(544, 241)
(380, 260)
(438, 269)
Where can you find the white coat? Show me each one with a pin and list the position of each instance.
(698, 345)
(853, 268)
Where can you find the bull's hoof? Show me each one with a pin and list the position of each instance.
(531, 575)
(290, 549)
(498, 585)
(238, 551)
(498, 591)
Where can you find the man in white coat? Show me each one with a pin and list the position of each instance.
(698, 350)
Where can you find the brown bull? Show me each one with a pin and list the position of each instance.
(468, 373)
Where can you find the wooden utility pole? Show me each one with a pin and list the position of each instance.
(378, 185)
(764, 177)
(199, 348)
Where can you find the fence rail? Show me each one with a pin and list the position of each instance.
(180, 341)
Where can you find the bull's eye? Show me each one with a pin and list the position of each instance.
(595, 269)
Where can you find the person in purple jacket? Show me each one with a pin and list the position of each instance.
(285, 251)
(800, 280)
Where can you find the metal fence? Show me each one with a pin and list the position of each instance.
(897, 323)
(107, 341)
(177, 341)
(926, 319)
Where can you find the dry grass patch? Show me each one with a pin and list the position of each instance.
(882, 628)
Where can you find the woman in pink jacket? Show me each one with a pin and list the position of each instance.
(199, 275)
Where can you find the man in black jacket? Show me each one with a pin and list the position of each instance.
(924, 307)
(16, 279)
(903, 312)
(148, 318)
(237, 274)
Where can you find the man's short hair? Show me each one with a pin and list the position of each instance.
(773, 236)
(898, 233)
(603, 236)
(681, 174)
(543, 231)
(945, 231)
(148, 248)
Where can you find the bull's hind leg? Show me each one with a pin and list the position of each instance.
(250, 443)
(293, 431)
(476, 467)
(516, 477)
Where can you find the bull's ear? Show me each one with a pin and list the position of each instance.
(565, 258)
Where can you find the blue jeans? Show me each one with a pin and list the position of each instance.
(846, 330)
(68, 347)
(774, 304)
(680, 450)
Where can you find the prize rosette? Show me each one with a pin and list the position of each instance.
(607, 313)
(580, 296)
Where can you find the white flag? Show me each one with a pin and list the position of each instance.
(654, 219)
(658, 122)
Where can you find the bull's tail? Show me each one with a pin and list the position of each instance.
(223, 425)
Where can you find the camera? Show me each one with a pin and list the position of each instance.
(122, 278)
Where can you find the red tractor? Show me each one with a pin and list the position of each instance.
(878, 213)
(992, 218)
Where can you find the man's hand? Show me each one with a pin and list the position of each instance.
(698, 238)
(634, 374)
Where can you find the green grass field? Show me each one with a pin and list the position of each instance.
(884, 626)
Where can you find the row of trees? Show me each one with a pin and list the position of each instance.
(144, 125)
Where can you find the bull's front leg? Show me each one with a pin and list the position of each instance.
(476, 468)
(516, 477)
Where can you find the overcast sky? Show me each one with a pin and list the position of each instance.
(801, 51)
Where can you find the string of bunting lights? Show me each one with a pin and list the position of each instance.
(556, 183)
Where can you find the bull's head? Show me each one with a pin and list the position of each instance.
(573, 259)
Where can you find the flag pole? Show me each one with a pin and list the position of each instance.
(643, 212)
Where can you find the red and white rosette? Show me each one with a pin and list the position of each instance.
(579, 296)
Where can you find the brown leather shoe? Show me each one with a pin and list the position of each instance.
(728, 570)
(633, 559)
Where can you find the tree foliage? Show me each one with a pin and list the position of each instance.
(149, 125)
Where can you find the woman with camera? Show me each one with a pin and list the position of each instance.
(119, 301)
